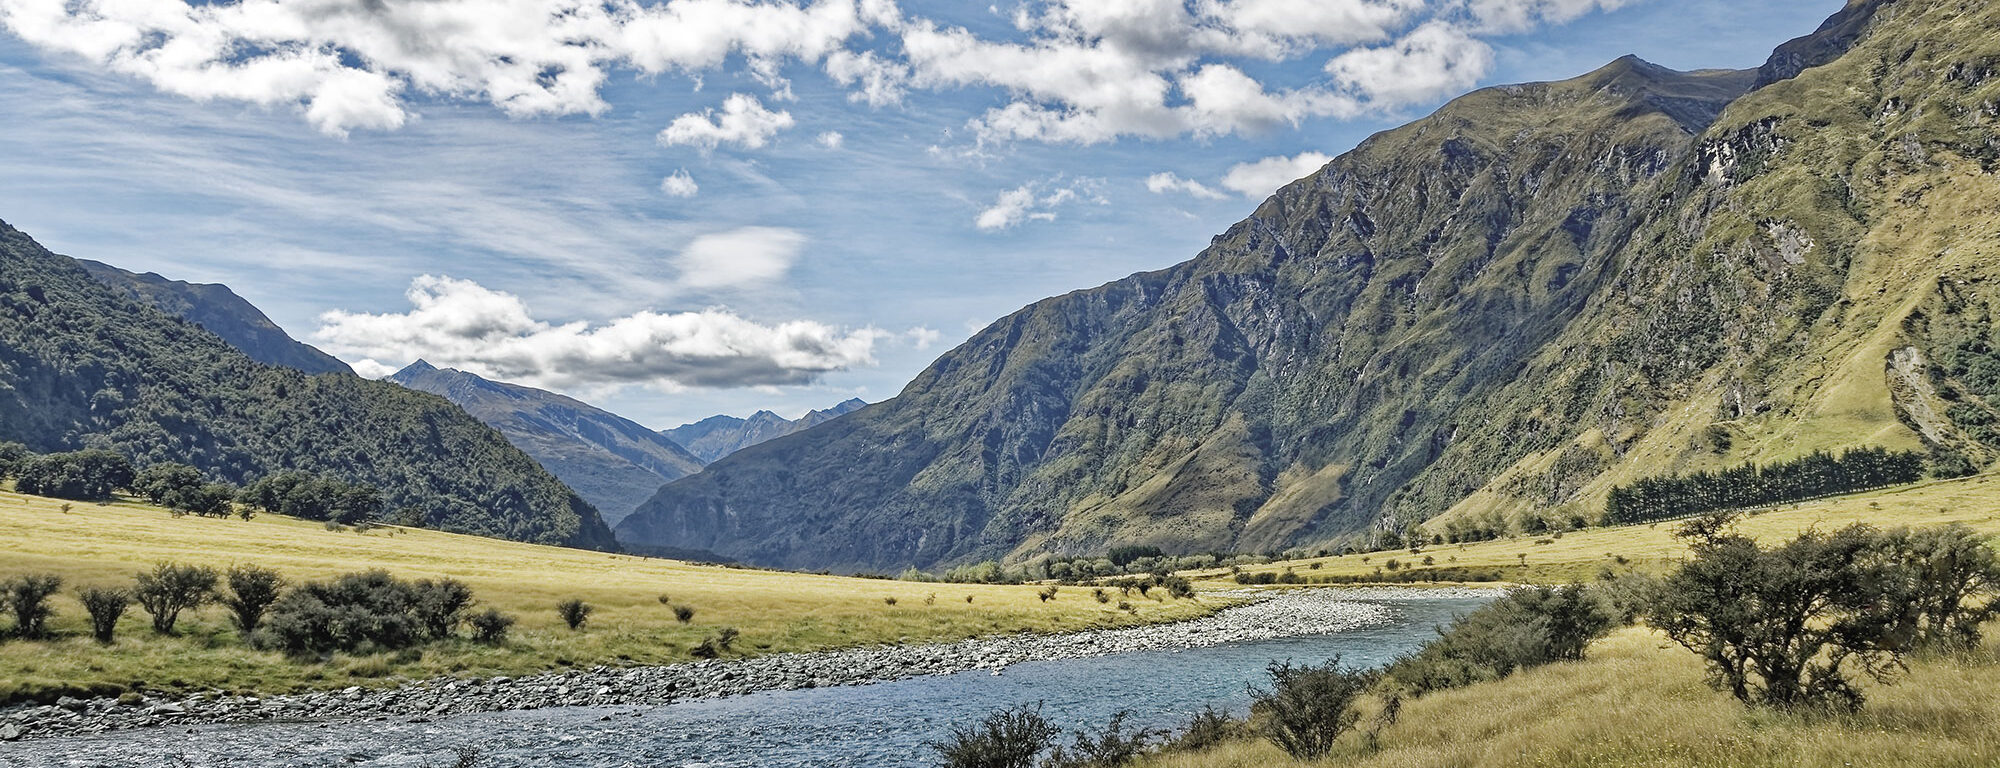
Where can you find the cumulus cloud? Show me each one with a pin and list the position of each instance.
(922, 338)
(743, 121)
(680, 184)
(1164, 182)
(1434, 60)
(1034, 201)
(739, 257)
(461, 324)
(1258, 179)
(831, 139)
(1521, 15)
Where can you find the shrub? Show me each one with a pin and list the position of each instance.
(356, 612)
(27, 597)
(1949, 575)
(574, 612)
(1789, 626)
(1101, 595)
(440, 606)
(665, 600)
(252, 590)
(1048, 593)
(1205, 729)
(171, 588)
(106, 607)
(683, 613)
(80, 475)
(1108, 747)
(714, 645)
(1010, 738)
(889, 601)
(1308, 708)
(1527, 628)
(490, 626)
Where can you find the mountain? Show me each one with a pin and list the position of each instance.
(718, 436)
(219, 310)
(86, 365)
(612, 462)
(1484, 319)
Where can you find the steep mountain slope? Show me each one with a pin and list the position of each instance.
(612, 462)
(1486, 317)
(83, 365)
(219, 310)
(718, 436)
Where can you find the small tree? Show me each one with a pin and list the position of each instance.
(165, 483)
(252, 590)
(1108, 747)
(490, 626)
(27, 597)
(1010, 738)
(683, 613)
(574, 612)
(1308, 708)
(171, 588)
(1790, 626)
(441, 606)
(1950, 576)
(105, 607)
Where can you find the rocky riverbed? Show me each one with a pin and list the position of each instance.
(1268, 615)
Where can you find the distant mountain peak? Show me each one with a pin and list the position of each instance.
(718, 436)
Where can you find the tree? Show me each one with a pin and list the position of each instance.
(12, 456)
(105, 607)
(167, 483)
(27, 597)
(441, 606)
(1307, 707)
(252, 590)
(1790, 626)
(1010, 738)
(171, 588)
(81, 475)
(490, 626)
(574, 612)
(1950, 577)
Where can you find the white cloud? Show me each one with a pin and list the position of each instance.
(460, 324)
(1260, 178)
(1434, 60)
(369, 368)
(831, 139)
(739, 257)
(1164, 182)
(1035, 201)
(882, 82)
(922, 338)
(680, 184)
(744, 121)
(1505, 16)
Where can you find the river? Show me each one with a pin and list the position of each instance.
(885, 725)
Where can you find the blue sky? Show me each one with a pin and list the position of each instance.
(676, 209)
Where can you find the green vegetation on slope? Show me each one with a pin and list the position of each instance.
(220, 311)
(82, 366)
(634, 621)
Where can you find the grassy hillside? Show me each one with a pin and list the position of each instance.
(105, 544)
(1640, 702)
(1581, 555)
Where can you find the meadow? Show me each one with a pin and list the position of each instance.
(1639, 700)
(1580, 555)
(91, 544)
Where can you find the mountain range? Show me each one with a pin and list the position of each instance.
(613, 462)
(220, 311)
(86, 364)
(718, 436)
(1481, 321)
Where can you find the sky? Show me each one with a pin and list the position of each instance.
(678, 208)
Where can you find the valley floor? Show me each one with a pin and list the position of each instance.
(634, 597)
(1581, 555)
(1639, 700)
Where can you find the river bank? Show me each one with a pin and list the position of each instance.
(1267, 615)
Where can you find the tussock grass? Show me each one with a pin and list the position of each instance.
(104, 545)
(1640, 701)
(1580, 555)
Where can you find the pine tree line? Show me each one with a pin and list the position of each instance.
(1811, 476)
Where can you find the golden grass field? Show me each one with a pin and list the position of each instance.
(1580, 555)
(104, 545)
(1639, 701)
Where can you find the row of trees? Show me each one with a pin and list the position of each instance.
(95, 475)
(1810, 476)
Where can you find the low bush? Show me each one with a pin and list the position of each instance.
(715, 645)
(574, 612)
(441, 606)
(1205, 729)
(1527, 628)
(252, 590)
(106, 607)
(363, 613)
(27, 598)
(171, 588)
(1308, 708)
(490, 626)
(683, 613)
(1109, 747)
(1011, 738)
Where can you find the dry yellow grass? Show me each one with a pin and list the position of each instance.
(1640, 701)
(1579, 555)
(104, 545)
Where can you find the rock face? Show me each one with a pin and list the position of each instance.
(82, 364)
(718, 436)
(220, 311)
(613, 462)
(1485, 319)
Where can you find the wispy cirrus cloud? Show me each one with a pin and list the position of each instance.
(1036, 201)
